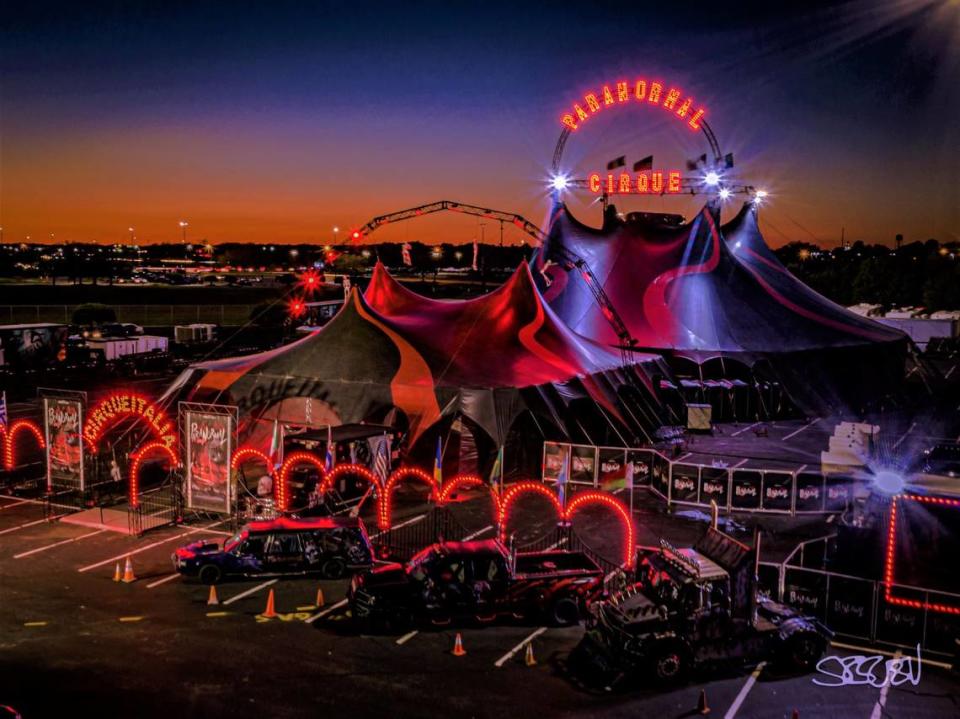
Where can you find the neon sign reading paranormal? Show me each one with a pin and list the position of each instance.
(653, 92)
(656, 182)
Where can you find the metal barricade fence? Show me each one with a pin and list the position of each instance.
(763, 490)
(862, 609)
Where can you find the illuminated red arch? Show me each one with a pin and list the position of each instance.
(467, 481)
(582, 499)
(346, 470)
(249, 453)
(138, 458)
(281, 495)
(514, 492)
(10, 438)
(121, 405)
(384, 505)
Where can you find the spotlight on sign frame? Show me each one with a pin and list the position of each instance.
(711, 179)
(559, 183)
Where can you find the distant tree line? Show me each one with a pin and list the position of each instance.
(919, 274)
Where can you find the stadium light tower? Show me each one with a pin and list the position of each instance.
(183, 229)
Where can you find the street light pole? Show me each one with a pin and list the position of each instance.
(183, 227)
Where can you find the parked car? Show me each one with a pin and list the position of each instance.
(690, 607)
(328, 546)
(477, 580)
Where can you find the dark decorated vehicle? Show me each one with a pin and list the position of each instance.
(328, 546)
(477, 580)
(691, 607)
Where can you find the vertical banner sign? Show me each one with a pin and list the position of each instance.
(613, 469)
(209, 450)
(62, 425)
(583, 464)
(554, 454)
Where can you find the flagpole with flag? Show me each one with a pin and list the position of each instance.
(331, 457)
(496, 474)
(438, 463)
(562, 479)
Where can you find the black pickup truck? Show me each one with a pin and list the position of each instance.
(478, 580)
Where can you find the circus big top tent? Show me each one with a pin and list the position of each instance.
(501, 363)
(703, 292)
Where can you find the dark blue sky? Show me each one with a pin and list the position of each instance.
(275, 121)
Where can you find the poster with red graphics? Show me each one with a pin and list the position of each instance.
(62, 423)
(209, 449)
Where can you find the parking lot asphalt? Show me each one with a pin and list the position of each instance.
(75, 643)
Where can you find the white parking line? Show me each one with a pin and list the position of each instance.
(798, 431)
(478, 533)
(34, 501)
(15, 504)
(680, 459)
(748, 685)
(740, 463)
(745, 429)
(877, 712)
(325, 612)
(506, 657)
(57, 544)
(150, 546)
(553, 546)
(408, 636)
(168, 578)
(31, 524)
(250, 591)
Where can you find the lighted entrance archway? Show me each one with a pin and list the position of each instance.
(468, 481)
(122, 405)
(514, 492)
(385, 506)
(282, 483)
(249, 454)
(585, 499)
(10, 438)
(136, 461)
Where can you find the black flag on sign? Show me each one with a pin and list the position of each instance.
(618, 162)
(644, 164)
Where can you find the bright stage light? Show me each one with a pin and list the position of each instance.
(725, 193)
(712, 178)
(889, 482)
(559, 182)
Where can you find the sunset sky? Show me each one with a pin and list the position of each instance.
(273, 121)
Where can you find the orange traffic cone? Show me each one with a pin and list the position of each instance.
(212, 598)
(702, 707)
(271, 610)
(458, 650)
(319, 602)
(128, 575)
(528, 658)
(116, 573)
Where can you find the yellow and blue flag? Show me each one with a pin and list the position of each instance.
(438, 463)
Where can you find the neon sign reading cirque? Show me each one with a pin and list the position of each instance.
(653, 92)
(643, 183)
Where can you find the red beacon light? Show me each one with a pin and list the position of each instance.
(310, 281)
(296, 308)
